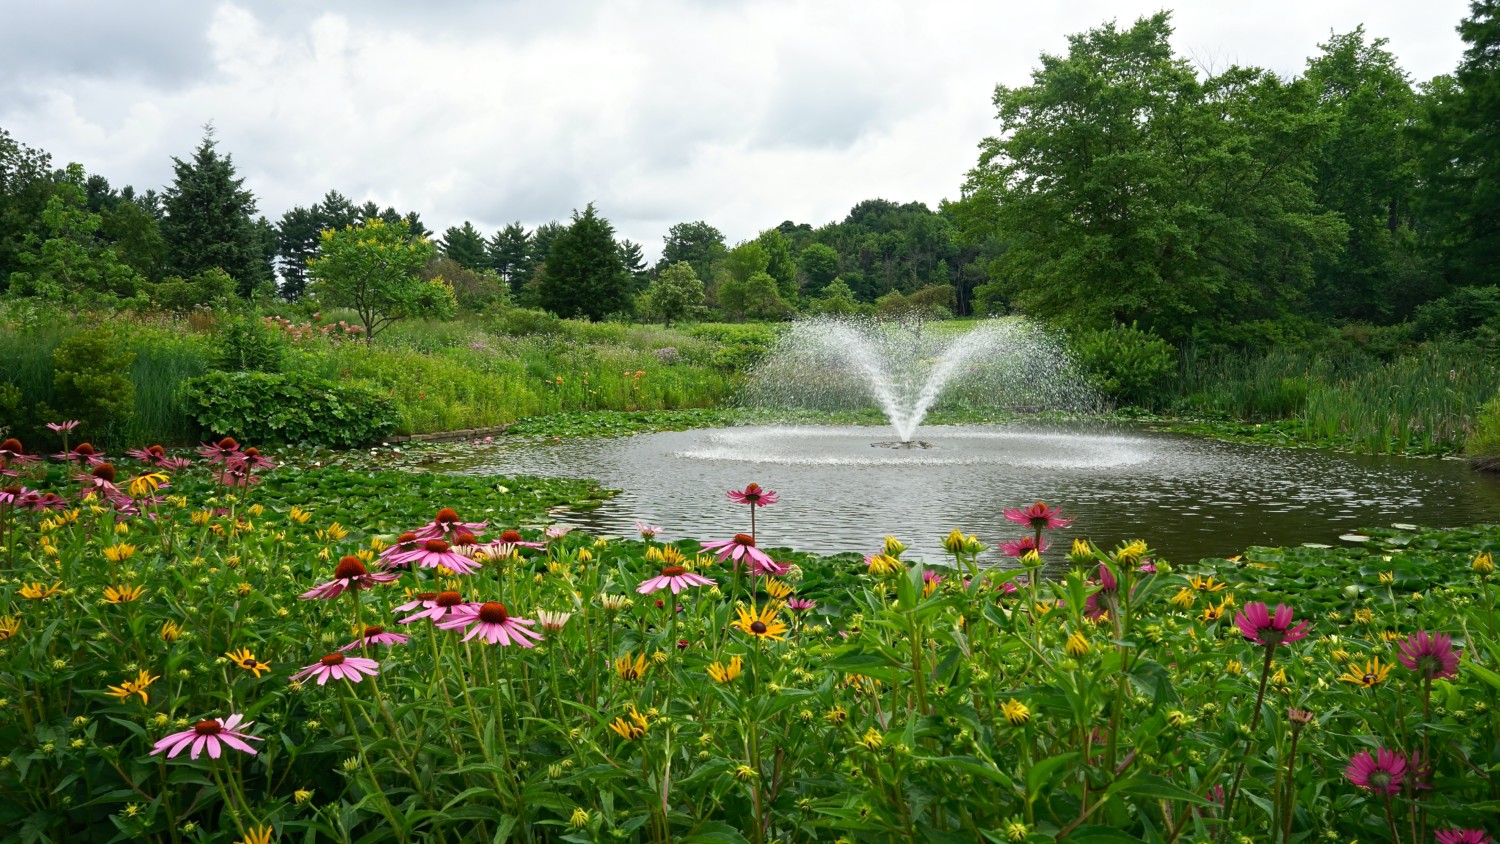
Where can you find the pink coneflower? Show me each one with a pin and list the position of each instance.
(340, 667)
(1103, 600)
(447, 523)
(742, 547)
(557, 531)
(676, 577)
(553, 620)
(1419, 771)
(377, 636)
(436, 552)
(100, 480)
(1380, 773)
(752, 495)
(1259, 625)
(436, 607)
(83, 454)
(1023, 546)
(62, 427)
(13, 496)
(153, 454)
(1147, 567)
(11, 451)
(647, 532)
(1038, 517)
(1430, 655)
(350, 573)
(221, 451)
(254, 459)
(800, 604)
(174, 464)
(238, 474)
(491, 622)
(212, 734)
(1462, 836)
(399, 552)
(514, 538)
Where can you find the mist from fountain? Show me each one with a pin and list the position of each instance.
(832, 364)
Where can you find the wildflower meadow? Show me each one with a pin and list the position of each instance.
(208, 647)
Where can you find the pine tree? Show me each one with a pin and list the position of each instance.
(584, 275)
(509, 255)
(634, 260)
(297, 243)
(465, 246)
(211, 219)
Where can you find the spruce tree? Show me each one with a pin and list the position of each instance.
(509, 254)
(465, 246)
(584, 275)
(210, 219)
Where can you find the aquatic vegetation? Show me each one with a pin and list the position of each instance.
(275, 662)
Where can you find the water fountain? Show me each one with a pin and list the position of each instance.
(842, 364)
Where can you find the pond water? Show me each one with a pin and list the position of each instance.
(842, 490)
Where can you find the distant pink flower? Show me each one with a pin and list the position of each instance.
(676, 577)
(100, 480)
(1419, 771)
(14, 496)
(446, 523)
(60, 427)
(219, 452)
(1147, 567)
(1023, 546)
(434, 606)
(349, 574)
(1380, 773)
(252, 458)
(1463, 836)
(1430, 655)
(11, 451)
(647, 532)
(557, 531)
(1038, 517)
(211, 734)
(377, 636)
(513, 538)
(436, 552)
(1259, 625)
(742, 548)
(151, 454)
(174, 464)
(800, 604)
(399, 552)
(340, 667)
(490, 621)
(83, 454)
(753, 495)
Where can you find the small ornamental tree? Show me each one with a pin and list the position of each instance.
(372, 267)
(675, 292)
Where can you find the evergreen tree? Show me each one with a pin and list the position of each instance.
(509, 255)
(541, 242)
(465, 246)
(635, 263)
(210, 219)
(297, 243)
(584, 275)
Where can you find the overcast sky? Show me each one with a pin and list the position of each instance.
(743, 114)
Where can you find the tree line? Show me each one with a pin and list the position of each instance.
(1232, 207)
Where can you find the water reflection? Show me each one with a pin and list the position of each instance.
(1189, 497)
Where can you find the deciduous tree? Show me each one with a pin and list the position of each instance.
(373, 268)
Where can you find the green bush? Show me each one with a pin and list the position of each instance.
(519, 322)
(266, 407)
(1484, 441)
(248, 345)
(1125, 363)
(92, 383)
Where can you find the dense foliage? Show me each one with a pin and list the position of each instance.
(565, 693)
(288, 408)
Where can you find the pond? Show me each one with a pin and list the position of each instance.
(843, 488)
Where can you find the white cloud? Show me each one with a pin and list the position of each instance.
(742, 114)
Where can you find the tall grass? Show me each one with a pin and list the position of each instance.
(1426, 401)
(163, 360)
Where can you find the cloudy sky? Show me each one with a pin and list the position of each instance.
(743, 114)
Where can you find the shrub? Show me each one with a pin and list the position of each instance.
(91, 382)
(1126, 363)
(519, 322)
(248, 345)
(288, 408)
(1485, 439)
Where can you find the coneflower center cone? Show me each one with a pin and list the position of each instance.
(448, 599)
(493, 612)
(673, 571)
(744, 539)
(510, 536)
(207, 728)
(332, 660)
(105, 472)
(228, 443)
(84, 449)
(447, 515)
(349, 567)
(436, 546)
(373, 631)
